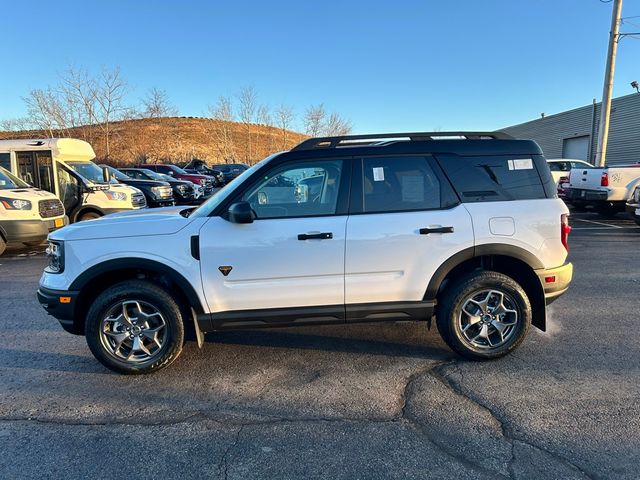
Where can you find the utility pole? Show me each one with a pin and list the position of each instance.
(605, 106)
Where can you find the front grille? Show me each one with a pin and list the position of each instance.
(138, 200)
(50, 208)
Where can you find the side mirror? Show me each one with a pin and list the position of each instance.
(106, 175)
(241, 212)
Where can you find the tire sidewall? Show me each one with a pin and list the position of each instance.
(152, 295)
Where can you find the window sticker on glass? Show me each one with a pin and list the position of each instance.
(378, 174)
(520, 164)
(412, 189)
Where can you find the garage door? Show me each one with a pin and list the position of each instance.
(576, 147)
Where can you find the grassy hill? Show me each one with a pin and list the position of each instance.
(177, 139)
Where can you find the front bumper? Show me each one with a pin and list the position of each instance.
(24, 230)
(61, 304)
(555, 281)
(633, 209)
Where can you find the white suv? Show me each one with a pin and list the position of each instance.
(463, 227)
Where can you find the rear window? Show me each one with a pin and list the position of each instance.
(494, 178)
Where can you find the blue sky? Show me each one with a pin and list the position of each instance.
(387, 66)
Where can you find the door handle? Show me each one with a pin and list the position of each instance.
(315, 236)
(427, 231)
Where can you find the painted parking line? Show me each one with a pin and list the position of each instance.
(602, 224)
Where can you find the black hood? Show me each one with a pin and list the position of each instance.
(135, 182)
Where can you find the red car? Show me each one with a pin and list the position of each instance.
(208, 183)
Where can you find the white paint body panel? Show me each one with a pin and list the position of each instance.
(387, 260)
(271, 267)
(537, 227)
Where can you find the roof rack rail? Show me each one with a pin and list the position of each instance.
(377, 138)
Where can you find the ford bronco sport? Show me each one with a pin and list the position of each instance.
(462, 227)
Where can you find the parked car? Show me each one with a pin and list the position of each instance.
(27, 214)
(633, 204)
(64, 167)
(158, 193)
(183, 191)
(605, 189)
(561, 167)
(230, 170)
(206, 181)
(404, 227)
(199, 166)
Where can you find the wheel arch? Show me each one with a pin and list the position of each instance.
(101, 276)
(82, 210)
(510, 260)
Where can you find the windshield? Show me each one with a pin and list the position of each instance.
(179, 170)
(9, 181)
(88, 170)
(207, 207)
(165, 177)
(117, 174)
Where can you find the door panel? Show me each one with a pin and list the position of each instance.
(387, 259)
(270, 267)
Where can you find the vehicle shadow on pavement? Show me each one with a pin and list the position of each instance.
(58, 362)
(310, 341)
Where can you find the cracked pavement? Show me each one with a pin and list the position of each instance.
(363, 401)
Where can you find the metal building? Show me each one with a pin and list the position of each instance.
(574, 133)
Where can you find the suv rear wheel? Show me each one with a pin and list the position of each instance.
(484, 315)
(135, 327)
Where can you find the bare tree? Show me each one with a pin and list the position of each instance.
(77, 90)
(314, 120)
(264, 117)
(15, 124)
(285, 117)
(109, 91)
(248, 98)
(45, 110)
(336, 126)
(222, 113)
(156, 104)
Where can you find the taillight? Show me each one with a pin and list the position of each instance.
(564, 230)
(604, 179)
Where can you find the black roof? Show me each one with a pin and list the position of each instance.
(460, 143)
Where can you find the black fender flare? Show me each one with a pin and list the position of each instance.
(503, 250)
(132, 263)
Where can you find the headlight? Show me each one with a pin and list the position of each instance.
(182, 188)
(203, 181)
(15, 204)
(55, 256)
(115, 195)
(157, 191)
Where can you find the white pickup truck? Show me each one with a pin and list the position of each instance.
(605, 189)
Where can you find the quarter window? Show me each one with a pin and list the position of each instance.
(5, 161)
(297, 190)
(399, 184)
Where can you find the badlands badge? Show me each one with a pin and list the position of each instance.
(225, 269)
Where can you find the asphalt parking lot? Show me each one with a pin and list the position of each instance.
(378, 401)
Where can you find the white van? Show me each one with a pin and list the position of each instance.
(27, 214)
(63, 166)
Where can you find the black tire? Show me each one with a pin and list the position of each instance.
(33, 244)
(3, 245)
(89, 216)
(147, 294)
(607, 211)
(458, 294)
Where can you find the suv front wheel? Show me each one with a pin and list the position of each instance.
(135, 327)
(484, 315)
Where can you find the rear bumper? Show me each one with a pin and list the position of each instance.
(60, 304)
(24, 230)
(580, 195)
(555, 281)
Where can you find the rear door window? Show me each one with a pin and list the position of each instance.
(494, 178)
(399, 184)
